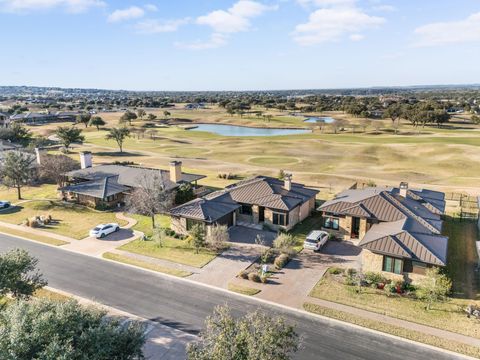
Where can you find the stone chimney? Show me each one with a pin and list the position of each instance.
(403, 189)
(85, 159)
(175, 171)
(287, 182)
(39, 154)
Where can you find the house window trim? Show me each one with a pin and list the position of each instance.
(392, 265)
(334, 223)
(280, 215)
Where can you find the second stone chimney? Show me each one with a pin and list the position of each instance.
(287, 182)
(85, 159)
(176, 171)
(38, 155)
(403, 189)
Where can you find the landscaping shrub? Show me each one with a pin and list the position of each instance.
(281, 261)
(253, 276)
(268, 256)
(243, 274)
(373, 278)
(335, 270)
(264, 279)
(284, 242)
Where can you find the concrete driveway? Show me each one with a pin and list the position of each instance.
(246, 235)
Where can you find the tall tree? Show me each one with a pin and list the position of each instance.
(151, 117)
(129, 116)
(97, 121)
(47, 329)
(69, 135)
(141, 113)
(16, 170)
(19, 275)
(255, 336)
(166, 114)
(119, 135)
(150, 197)
(53, 168)
(83, 119)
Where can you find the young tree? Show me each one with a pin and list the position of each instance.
(150, 198)
(119, 135)
(159, 235)
(69, 135)
(19, 275)
(255, 336)
(218, 237)
(83, 119)
(97, 121)
(435, 287)
(197, 237)
(151, 117)
(129, 116)
(53, 167)
(166, 114)
(15, 133)
(47, 329)
(141, 113)
(16, 170)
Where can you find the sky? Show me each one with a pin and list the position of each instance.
(238, 44)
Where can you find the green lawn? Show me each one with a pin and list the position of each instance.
(145, 265)
(462, 256)
(69, 219)
(46, 191)
(24, 234)
(394, 330)
(178, 251)
(243, 289)
(447, 316)
(144, 223)
(301, 230)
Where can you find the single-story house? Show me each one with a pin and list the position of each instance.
(109, 185)
(257, 201)
(399, 229)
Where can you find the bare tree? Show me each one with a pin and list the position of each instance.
(150, 197)
(53, 168)
(218, 237)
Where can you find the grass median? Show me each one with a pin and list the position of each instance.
(243, 290)
(394, 330)
(145, 265)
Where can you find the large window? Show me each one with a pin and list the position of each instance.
(392, 265)
(280, 219)
(331, 223)
(246, 210)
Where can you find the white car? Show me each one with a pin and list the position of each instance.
(316, 240)
(4, 204)
(102, 230)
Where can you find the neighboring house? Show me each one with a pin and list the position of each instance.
(39, 118)
(399, 229)
(195, 106)
(109, 185)
(4, 119)
(253, 202)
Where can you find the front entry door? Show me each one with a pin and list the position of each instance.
(355, 227)
(261, 214)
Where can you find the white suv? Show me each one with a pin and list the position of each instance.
(316, 240)
(102, 230)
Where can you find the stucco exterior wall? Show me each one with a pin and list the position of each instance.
(374, 262)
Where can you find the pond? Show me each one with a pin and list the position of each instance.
(233, 130)
(318, 119)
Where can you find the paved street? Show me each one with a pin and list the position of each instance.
(184, 305)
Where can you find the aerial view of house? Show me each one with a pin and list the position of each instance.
(399, 229)
(255, 202)
(109, 185)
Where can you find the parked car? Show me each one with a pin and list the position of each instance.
(4, 204)
(103, 230)
(316, 240)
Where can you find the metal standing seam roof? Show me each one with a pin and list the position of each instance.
(131, 176)
(408, 226)
(100, 189)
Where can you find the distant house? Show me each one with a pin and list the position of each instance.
(399, 229)
(4, 119)
(195, 106)
(253, 202)
(110, 185)
(40, 118)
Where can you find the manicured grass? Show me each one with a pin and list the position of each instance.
(50, 295)
(243, 289)
(301, 230)
(447, 316)
(39, 238)
(145, 265)
(46, 191)
(174, 250)
(462, 256)
(394, 330)
(144, 223)
(69, 219)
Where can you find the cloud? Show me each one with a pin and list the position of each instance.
(133, 12)
(384, 8)
(153, 26)
(449, 32)
(330, 24)
(356, 37)
(151, 7)
(215, 41)
(73, 6)
(327, 3)
(235, 19)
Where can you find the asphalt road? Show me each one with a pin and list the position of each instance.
(184, 305)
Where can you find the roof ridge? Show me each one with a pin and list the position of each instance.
(424, 245)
